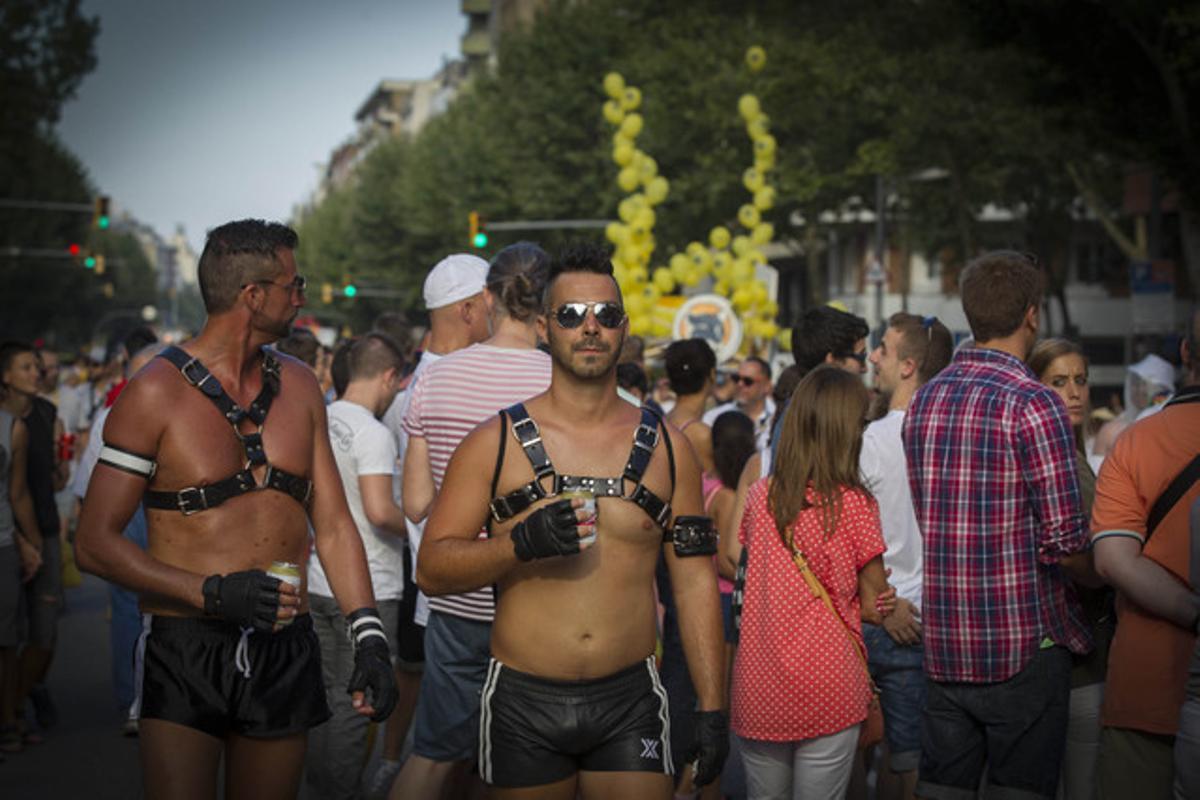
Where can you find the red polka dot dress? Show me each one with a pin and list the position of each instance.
(795, 676)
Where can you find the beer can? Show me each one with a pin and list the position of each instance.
(589, 505)
(288, 573)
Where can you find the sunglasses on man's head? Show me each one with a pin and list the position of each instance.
(571, 315)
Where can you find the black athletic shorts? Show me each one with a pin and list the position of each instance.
(534, 731)
(410, 637)
(200, 673)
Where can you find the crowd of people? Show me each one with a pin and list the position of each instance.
(504, 540)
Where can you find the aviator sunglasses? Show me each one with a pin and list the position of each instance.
(571, 315)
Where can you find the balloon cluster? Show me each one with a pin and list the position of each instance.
(633, 235)
(729, 259)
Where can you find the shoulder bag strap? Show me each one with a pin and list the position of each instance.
(1172, 495)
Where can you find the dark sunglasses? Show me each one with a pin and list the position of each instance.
(297, 284)
(572, 315)
(744, 380)
(860, 357)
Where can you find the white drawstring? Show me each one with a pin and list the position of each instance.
(241, 656)
(139, 667)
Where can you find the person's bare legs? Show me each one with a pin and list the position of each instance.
(563, 790)
(421, 777)
(619, 785)
(264, 769)
(178, 762)
(408, 686)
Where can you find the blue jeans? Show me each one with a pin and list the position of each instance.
(897, 671)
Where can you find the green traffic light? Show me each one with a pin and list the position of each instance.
(349, 290)
(90, 262)
(480, 240)
(102, 223)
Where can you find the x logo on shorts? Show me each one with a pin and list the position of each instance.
(650, 748)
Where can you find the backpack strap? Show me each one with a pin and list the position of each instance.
(1174, 492)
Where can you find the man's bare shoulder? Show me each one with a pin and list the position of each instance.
(298, 379)
(140, 412)
(484, 438)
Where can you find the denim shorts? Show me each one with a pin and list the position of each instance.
(457, 654)
(1018, 727)
(898, 673)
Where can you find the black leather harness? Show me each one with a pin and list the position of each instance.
(645, 438)
(199, 498)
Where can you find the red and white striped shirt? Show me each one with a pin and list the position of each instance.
(451, 398)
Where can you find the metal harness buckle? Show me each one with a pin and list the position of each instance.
(651, 432)
(188, 505)
(185, 370)
(537, 434)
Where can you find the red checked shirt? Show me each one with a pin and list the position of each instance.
(991, 463)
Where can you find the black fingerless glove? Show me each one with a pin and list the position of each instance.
(249, 599)
(552, 530)
(372, 662)
(711, 745)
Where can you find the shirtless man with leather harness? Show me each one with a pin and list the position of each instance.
(572, 701)
(225, 444)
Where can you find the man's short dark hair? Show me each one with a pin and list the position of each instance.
(302, 344)
(372, 354)
(689, 362)
(998, 288)
(397, 326)
(10, 350)
(580, 256)
(763, 366)
(238, 253)
(138, 339)
(826, 330)
(339, 366)
(926, 341)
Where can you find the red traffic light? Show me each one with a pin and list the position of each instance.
(73, 249)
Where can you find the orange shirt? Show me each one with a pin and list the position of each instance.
(1147, 665)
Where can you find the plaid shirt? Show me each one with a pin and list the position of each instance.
(991, 463)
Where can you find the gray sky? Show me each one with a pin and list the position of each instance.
(200, 112)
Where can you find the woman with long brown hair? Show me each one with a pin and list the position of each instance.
(800, 688)
(1062, 365)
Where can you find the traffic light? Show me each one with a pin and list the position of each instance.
(100, 215)
(100, 267)
(477, 228)
(326, 293)
(349, 290)
(74, 250)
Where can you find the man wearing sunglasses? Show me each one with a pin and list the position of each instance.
(575, 611)
(226, 446)
(752, 397)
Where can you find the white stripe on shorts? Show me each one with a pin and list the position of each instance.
(663, 716)
(485, 721)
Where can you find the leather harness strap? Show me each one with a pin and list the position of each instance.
(199, 498)
(645, 438)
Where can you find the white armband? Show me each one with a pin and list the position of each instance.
(127, 461)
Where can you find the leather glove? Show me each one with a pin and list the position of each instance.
(711, 746)
(249, 599)
(372, 662)
(552, 530)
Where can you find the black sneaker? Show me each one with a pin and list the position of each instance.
(44, 709)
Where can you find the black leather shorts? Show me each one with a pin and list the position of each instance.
(534, 731)
(200, 673)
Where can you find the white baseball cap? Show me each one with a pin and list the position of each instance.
(456, 277)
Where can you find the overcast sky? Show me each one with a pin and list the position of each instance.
(203, 111)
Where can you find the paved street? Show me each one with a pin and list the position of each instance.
(86, 755)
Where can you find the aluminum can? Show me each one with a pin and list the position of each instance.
(589, 505)
(288, 573)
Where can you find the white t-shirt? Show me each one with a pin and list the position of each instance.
(91, 455)
(762, 425)
(363, 446)
(885, 473)
(393, 418)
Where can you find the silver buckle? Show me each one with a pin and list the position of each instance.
(637, 439)
(184, 370)
(188, 506)
(537, 434)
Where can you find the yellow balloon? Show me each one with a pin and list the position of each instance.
(679, 266)
(631, 98)
(657, 190)
(764, 198)
(614, 85)
(627, 210)
(769, 330)
(741, 299)
(765, 145)
(718, 237)
(784, 337)
(743, 271)
(613, 112)
(627, 179)
(664, 280)
(762, 233)
(758, 292)
(660, 328)
(756, 58)
(748, 106)
(755, 256)
(764, 164)
(721, 261)
(621, 140)
(759, 127)
(752, 179)
(645, 218)
(631, 126)
(623, 154)
(647, 168)
(748, 216)
(615, 232)
(693, 248)
(740, 243)
(701, 260)
(770, 308)
(721, 288)
(640, 325)
(651, 294)
(639, 274)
